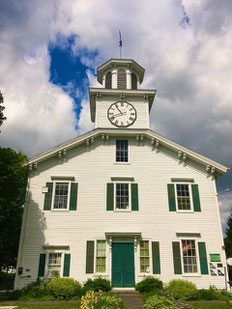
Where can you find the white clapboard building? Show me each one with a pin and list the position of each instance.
(122, 201)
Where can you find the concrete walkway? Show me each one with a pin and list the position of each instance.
(131, 298)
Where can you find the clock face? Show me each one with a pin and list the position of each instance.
(122, 114)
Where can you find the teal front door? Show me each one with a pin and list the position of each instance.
(123, 270)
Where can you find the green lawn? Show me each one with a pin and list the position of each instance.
(212, 305)
(45, 306)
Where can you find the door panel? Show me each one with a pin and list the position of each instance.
(123, 265)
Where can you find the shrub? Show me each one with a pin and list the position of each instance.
(98, 284)
(212, 293)
(159, 302)
(182, 289)
(6, 281)
(149, 284)
(64, 288)
(100, 300)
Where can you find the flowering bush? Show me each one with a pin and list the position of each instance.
(159, 302)
(94, 300)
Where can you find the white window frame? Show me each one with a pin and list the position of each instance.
(95, 259)
(47, 262)
(190, 197)
(148, 273)
(198, 273)
(115, 150)
(129, 190)
(53, 195)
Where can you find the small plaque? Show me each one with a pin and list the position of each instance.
(219, 265)
(215, 258)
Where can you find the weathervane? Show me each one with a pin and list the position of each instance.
(120, 44)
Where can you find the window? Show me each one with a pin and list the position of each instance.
(133, 81)
(121, 151)
(54, 265)
(108, 84)
(144, 257)
(61, 195)
(121, 79)
(101, 256)
(189, 256)
(122, 196)
(183, 197)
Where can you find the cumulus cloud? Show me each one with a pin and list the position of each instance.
(185, 47)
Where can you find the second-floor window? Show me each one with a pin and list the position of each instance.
(61, 196)
(122, 196)
(183, 197)
(121, 151)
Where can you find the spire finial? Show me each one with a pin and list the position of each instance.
(120, 43)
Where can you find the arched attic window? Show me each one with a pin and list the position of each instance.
(134, 81)
(108, 84)
(121, 80)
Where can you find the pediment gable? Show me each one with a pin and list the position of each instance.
(146, 137)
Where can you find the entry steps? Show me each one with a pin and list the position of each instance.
(130, 297)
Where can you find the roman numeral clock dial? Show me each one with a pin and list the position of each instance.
(122, 114)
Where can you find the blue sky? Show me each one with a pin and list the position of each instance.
(50, 51)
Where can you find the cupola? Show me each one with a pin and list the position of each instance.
(120, 74)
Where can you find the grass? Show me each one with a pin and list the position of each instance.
(45, 306)
(212, 305)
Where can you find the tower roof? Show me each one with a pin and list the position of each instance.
(120, 63)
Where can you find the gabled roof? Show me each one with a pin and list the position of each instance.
(122, 63)
(156, 140)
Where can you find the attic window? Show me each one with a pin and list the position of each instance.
(121, 81)
(134, 81)
(108, 84)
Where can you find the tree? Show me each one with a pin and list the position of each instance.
(13, 182)
(2, 118)
(228, 242)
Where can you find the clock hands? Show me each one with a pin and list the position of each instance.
(118, 109)
(118, 115)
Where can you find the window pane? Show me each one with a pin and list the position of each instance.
(183, 197)
(54, 265)
(101, 256)
(189, 256)
(144, 256)
(122, 196)
(121, 151)
(61, 196)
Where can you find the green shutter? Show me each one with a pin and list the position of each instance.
(48, 196)
(176, 257)
(110, 196)
(134, 197)
(203, 258)
(156, 257)
(90, 257)
(73, 197)
(171, 197)
(66, 270)
(196, 199)
(42, 260)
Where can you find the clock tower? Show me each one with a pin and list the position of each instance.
(121, 103)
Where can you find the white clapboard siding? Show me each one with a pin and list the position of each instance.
(93, 167)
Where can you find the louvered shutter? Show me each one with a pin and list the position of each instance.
(134, 81)
(203, 258)
(42, 261)
(156, 257)
(66, 270)
(90, 257)
(171, 197)
(73, 196)
(110, 197)
(48, 196)
(196, 198)
(134, 197)
(176, 257)
(121, 80)
(108, 83)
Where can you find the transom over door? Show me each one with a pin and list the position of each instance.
(123, 274)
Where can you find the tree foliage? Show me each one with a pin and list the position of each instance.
(13, 182)
(2, 118)
(228, 242)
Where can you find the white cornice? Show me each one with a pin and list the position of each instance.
(88, 138)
